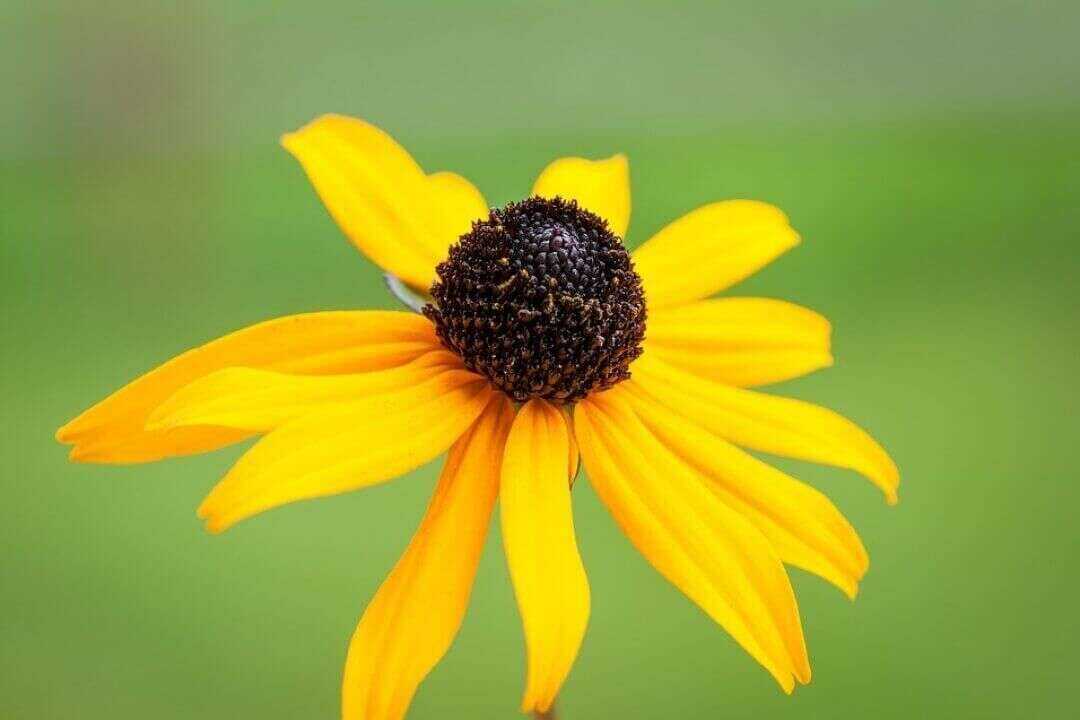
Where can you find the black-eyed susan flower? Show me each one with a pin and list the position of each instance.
(540, 338)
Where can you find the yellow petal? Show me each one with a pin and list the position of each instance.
(344, 447)
(113, 431)
(412, 620)
(710, 552)
(458, 204)
(778, 425)
(541, 551)
(711, 249)
(261, 400)
(740, 341)
(805, 529)
(600, 186)
(399, 217)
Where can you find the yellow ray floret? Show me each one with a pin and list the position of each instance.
(711, 249)
(344, 447)
(409, 624)
(740, 341)
(261, 400)
(802, 524)
(600, 186)
(779, 425)
(541, 551)
(114, 430)
(400, 217)
(710, 552)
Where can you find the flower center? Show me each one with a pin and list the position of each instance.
(542, 299)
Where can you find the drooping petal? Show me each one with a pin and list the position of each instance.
(412, 620)
(262, 400)
(600, 186)
(344, 447)
(741, 341)
(711, 249)
(113, 431)
(399, 217)
(709, 551)
(541, 550)
(802, 524)
(778, 425)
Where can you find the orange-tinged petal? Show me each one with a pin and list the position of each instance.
(401, 218)
(413, 618)
(709, 551)
(803, 526)
(344, 447)
(538, 534)
(113, 431)
(711, 249)
(261, 400)
(600, 186)
(778, 425)
(741, 341)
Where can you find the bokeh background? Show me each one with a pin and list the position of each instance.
(927, 151)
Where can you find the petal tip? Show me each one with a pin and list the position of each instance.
(314, 122)
(64, 435)
(90, 453)
(214, 523)
(619, 159)
(215, 528)
(890, 480)
(532, 703)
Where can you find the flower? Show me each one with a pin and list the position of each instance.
(541, 339)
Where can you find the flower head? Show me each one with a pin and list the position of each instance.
(541, 340)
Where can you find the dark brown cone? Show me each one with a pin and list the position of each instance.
(543, 300)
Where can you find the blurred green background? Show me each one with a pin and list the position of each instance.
(928, 152)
